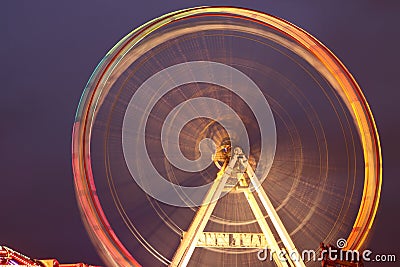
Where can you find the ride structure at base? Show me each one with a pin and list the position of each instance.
(336, 260)
(10, 257)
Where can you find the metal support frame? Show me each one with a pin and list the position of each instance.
(189, 240)
(276, 221)
(271, 241)
(196, 228)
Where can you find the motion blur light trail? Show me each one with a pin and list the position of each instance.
(320, 161)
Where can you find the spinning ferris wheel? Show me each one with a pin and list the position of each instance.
(210, 133)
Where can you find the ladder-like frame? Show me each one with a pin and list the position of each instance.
(190, 238)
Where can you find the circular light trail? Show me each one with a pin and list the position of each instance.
(221, 23)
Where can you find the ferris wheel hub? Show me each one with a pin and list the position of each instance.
(223, 153)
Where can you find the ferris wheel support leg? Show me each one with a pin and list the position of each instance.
(191, 237)
(276, 221)
(272, 244)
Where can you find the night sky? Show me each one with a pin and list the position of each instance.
(50, 48)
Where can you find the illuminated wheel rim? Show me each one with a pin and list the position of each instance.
(97, 225)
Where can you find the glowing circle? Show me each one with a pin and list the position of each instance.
(132, 52)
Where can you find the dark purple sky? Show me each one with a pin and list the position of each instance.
(50, 48)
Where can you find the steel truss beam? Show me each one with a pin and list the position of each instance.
(196, 228)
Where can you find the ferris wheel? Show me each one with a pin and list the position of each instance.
(210, 133)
